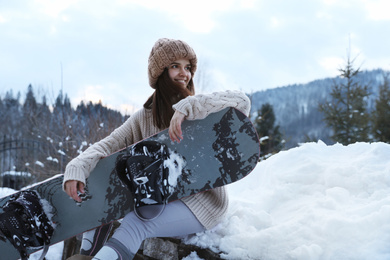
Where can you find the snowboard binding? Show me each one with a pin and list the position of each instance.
(142, 170)
(25, 224)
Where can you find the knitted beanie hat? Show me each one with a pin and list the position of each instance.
(164, 52)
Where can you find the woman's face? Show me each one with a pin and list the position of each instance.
(180, 72)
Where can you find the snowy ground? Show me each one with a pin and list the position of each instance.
(311, 202)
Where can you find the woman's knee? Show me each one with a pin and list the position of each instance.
(132, 230)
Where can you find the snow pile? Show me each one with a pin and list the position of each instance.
(54, 253)
(6, 191)
(311, 202)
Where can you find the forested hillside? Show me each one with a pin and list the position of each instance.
(41, 138)
(296, 106)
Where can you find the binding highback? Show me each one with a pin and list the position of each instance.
(142, 170)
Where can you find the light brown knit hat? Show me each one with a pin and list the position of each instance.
(164, 52)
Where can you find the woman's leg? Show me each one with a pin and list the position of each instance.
(176, 220)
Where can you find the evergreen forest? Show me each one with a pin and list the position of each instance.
(38, 139)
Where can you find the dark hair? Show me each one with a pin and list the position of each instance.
(167, 94)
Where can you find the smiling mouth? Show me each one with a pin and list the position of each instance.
(181, 80)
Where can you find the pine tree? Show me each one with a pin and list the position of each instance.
(270, 136)
(12, 118)
(381, 115)
(347, 113)
(30, 112)
(44, 113)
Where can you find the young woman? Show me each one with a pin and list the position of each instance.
(171, 68)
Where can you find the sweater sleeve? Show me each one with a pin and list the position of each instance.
(200, 106)
(80, 167)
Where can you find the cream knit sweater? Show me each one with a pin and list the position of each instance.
(209, 207)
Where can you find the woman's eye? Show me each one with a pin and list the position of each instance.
(188, 68)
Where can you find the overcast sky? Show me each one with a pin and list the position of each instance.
(97, 50)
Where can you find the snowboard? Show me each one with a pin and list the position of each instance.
(215, 151)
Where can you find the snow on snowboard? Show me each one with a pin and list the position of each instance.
(218, 150)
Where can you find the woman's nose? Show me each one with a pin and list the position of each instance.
(183, 71)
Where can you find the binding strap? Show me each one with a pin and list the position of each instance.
(142, 170)
(25, 224)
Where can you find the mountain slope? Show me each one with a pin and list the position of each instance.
(296, 106)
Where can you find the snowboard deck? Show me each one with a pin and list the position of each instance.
(218, 150)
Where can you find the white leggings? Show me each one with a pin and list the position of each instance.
(176, 220)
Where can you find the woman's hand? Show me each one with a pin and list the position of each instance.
(175, 132)
(71, 188)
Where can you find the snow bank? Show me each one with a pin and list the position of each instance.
(54, 253)
(6, 191)
(310, 202)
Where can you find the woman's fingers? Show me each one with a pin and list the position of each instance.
(175, 132)
(72, 187)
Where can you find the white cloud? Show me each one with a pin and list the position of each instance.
(275, 22)
(248, 4)
(343, 3)
(375, 63)
(94, 93)
(324, 15)
(2, 19)
(197, 16)
(126, 109)
(221, 81)
(378, 9)
(330, 2)
(112, 95)
(331, 63)
(54, 8)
